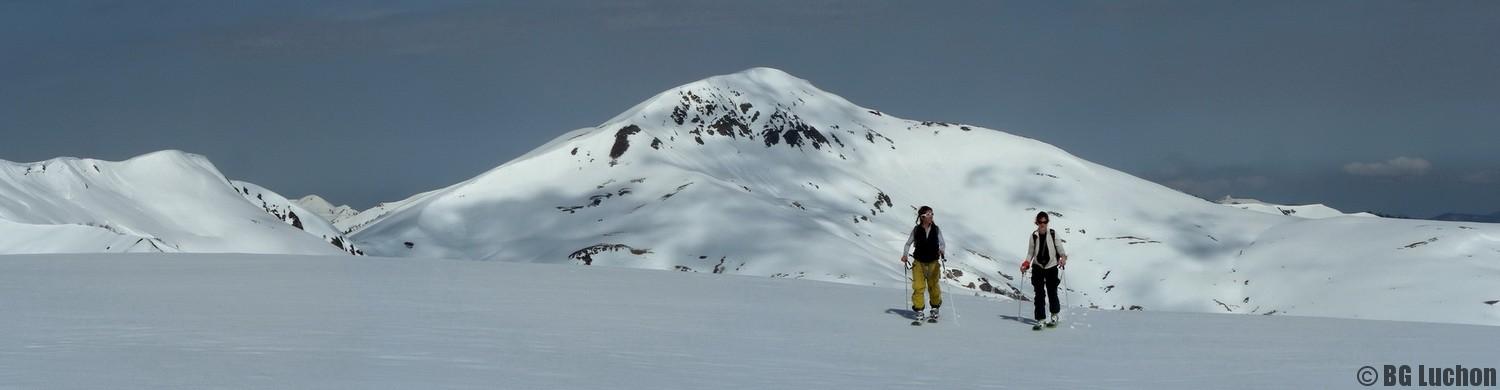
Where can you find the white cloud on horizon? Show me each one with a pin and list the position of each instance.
(1397, 167)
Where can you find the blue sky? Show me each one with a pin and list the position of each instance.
(1387, 106)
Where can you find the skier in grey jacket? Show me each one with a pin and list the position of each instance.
(1044, 257)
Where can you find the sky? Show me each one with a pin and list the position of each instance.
(1383, 106)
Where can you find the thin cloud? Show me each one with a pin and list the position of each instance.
(488, 25)
(1396, 167)
(1481, 177)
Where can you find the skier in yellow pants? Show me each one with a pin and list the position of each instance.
(927, 271)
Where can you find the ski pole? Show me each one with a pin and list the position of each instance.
(906, 286)
(957, 319)
(1019, 295)
(1062, 284)
(1020, 305)
(1063, 276)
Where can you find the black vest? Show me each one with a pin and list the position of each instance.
(926, 244)
(1044, 256)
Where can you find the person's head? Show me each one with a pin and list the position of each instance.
(924, 214)
(1041, 220)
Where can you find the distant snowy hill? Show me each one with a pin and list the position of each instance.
(761, 173)
(213, 321)
(1460, 217)
(167, 201)
(1303, 211)
(326, 210)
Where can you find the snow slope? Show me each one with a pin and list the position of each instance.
(166, 201)
(761, 173)
(357, 222)
(192, 321)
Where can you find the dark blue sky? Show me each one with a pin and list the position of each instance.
(1388, 106)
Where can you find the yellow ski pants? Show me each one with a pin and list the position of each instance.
(924, 277)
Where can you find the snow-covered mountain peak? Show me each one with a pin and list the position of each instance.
(326, 210)
(171, 157)
(762, 86)
(768, 86)
(314, 200)
(760, 105)
(761, 81)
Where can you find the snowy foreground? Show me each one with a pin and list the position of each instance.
(281, 321)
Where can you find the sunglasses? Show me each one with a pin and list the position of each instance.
(1041, 221)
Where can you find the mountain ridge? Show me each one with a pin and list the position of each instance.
(165, 201)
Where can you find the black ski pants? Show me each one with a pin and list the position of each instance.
(1045, 281)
